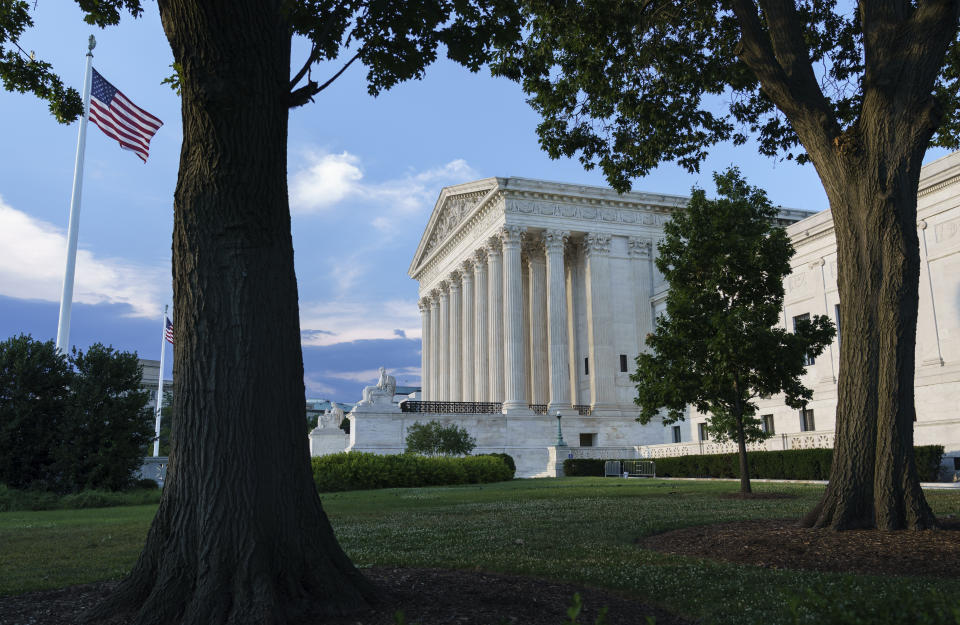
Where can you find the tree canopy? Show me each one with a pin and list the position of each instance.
(718, 347)
(628, 85)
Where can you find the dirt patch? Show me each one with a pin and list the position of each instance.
(426, 597)
(783, 544)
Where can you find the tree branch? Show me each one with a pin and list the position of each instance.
(311, 59)
(781, 63)
(305, 94)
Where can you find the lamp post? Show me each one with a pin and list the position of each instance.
(560, 441)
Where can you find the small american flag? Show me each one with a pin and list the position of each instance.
(168, 330)
(121, 119)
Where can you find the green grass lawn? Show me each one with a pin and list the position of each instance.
(573, 529)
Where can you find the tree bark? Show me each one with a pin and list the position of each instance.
(872, 186)
(240, 535)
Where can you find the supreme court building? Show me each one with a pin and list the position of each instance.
(539, 295)
(536, 297)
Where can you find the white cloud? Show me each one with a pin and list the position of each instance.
(328, 179)
(314, 386)
(339, 321)
(32, 264)
(372, 375)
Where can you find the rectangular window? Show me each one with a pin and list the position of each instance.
(586, 366)
(767, 423)
(623, 363)
(836, 316)
(702, 431)
(806, 421)
(588, 440)
(676, 434)
(807, 359)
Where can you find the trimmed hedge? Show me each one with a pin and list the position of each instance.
(12, 499)
(793, 464)
(364, 471)
(506, 458)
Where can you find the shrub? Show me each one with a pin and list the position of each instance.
(434, 439)
(507, 458)
(364, 471)
(145, 484)
(583, 467)
(792, 464)
(12, 499)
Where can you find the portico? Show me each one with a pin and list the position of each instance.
(529, 293)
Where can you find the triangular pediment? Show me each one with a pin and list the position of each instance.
(453, 208)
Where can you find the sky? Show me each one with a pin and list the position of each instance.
(364, 175)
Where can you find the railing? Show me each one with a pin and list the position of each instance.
(451, 407)
(604, 453)
(538, 408)
(584, 410)
(777, 442)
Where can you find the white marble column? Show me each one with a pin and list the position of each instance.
(574, 310)
(556, 322)
(444, 347)
(436, 338)
(495, 318)
(538, 315)
(466, 335)
(455, 363)
(599, 322)
(481, 350)
(425, 343)
(515, 383)
(640, 252)
(525, 333)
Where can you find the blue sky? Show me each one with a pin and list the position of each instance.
(364, 174)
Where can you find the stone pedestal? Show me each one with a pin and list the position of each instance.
(556, 455)
(328, 441)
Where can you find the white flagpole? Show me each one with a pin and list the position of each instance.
(73, 231)
(163, 350)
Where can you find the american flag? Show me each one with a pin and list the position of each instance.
(168, 330)
(121, 119)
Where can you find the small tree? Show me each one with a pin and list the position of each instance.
(717, 348)
(434, 439)
(107, 424)
(34, 378)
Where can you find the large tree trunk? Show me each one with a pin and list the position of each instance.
(240, 535)
(873, 196)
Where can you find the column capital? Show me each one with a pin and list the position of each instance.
(455, 277)
(596, 243)
(443, 288)
(638, 247)
(511, 235)
(533, 247)
(424, 304)
(466, 267)
(555, 241)
(494, 246)
(480, 256)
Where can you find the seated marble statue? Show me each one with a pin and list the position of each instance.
(332, 419)
(382, 393)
